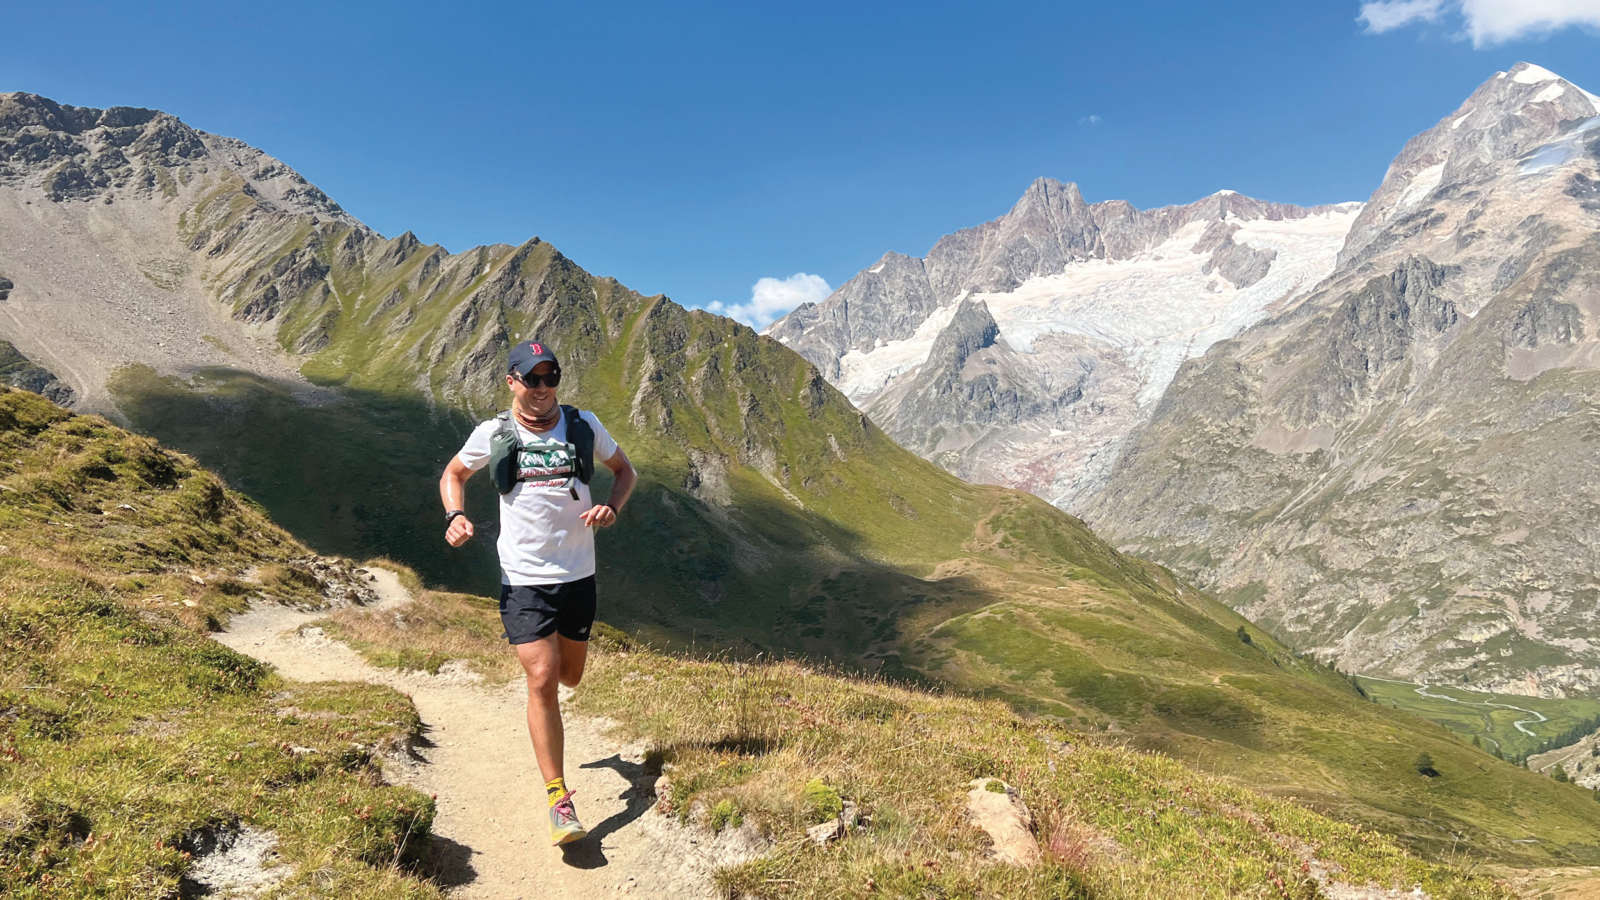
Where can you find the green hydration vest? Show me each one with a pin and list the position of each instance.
(505, 448)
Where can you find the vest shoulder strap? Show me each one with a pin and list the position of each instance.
(503, 447)
(581, 436)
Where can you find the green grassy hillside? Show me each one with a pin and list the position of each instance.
(871, 557)
(129, 741)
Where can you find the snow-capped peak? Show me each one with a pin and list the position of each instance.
(1528, 73)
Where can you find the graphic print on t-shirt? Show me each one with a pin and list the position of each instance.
(546, 464)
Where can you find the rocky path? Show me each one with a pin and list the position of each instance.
(492, 832)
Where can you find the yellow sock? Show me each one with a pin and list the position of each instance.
(556, 788)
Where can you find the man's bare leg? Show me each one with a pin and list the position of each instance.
(548, 662)
(541, 660)
(573, 655)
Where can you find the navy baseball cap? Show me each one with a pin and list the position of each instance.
(527, 354)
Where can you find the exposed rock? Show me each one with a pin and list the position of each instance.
(236, 862)
(1507, 116)
(319, 334)
(1580, 761)
(339, 583)
(663, 792)
(389, 301)
(20, 372)
(831, 830)
(1241, 264)
(969, 382)
(884, 303)
(1005, 818)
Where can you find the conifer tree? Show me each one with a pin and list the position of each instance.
(1424, 765)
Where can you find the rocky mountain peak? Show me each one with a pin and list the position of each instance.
(1088, 309)
(1508, 115)
(78, 153)
(1049, 227)
(20, 111)
(1415, 424)
(970, 330)
(1046, 194)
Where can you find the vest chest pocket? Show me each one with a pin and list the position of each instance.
(546, 465)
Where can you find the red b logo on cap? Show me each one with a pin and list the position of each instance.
(536, 348)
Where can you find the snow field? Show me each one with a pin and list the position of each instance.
(1159, 308)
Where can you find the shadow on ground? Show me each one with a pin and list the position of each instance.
(640, 796)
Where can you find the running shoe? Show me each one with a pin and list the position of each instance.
(564, 825)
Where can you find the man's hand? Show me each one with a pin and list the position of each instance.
(459, 530)
(599, 516)
(451, 486)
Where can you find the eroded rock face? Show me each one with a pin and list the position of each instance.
(20, 372)
(1399, 472)
(971, 382)
(1093, 306)
(123, 229)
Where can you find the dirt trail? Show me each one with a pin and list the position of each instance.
(492, 829)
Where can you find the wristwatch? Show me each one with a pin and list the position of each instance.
(451, 516)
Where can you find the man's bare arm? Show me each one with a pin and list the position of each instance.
(452, 490)
(621, 486)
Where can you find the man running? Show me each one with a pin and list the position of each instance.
(543, 455)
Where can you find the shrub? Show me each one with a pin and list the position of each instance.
(725, 815)
(823, 802)
(1424, 765)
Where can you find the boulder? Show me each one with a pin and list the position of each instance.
(1006, 819)
(830, 830)
(664, 794)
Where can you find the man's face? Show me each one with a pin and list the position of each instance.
(538, 398)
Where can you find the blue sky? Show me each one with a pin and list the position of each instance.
(694, 150)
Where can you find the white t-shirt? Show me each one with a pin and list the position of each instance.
(542, 540)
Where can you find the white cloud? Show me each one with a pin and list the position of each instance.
(1485, 22)
(1387, 15)
(1090, 120)
(772, 297)
(1497, 21)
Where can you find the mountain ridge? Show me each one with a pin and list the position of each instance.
(1097, 305)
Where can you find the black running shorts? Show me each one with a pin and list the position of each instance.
(532, 611)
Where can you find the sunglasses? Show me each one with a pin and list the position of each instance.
(532, 380)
